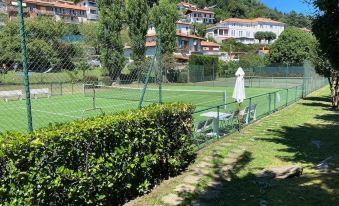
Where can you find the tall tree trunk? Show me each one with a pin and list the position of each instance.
(334, 87)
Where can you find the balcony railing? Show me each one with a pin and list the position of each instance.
(43, 12)
(15, 9)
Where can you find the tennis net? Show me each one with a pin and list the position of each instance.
(196, 97)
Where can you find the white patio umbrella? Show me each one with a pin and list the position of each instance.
(239, 88)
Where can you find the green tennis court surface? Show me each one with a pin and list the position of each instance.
(111, 100)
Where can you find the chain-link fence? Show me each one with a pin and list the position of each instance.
(52, 71)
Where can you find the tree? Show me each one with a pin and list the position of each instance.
(260, 36)
(298, 20)
(137, 14)
(45, 42)
(110, 26)
(325, 27)
(199, 29)
(293, 47)
(164, 17)
(251, 60)
(324, 68)
(269, 36)
(89, 33)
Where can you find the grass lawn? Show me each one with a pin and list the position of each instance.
(284, 138)
(71, 105)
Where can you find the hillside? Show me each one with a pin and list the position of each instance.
(252, 9)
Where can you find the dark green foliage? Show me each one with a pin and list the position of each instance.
(293, 47)
(232, 45)
(110, 43)
(326, 29)
(203, 67)
(164, 17)
(105, 160)
(298, 20)
(265, 35)
(137, 14)
(45, 45)
(199, 29)
(250, 60)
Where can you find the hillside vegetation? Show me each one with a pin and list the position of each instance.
(252, 9)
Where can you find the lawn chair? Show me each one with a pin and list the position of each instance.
(250, 113)
(201, 131)
(204, 126)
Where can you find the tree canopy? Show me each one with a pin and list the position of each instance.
(293, 47)
(138, 19)
(45, 42)
(111, 47)
(164, 17)
(326, 29)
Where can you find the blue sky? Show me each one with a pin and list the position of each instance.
(289, 5)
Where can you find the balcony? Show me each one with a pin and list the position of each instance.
(14, 9)
(43, 12)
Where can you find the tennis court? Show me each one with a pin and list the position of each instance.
(67, 107)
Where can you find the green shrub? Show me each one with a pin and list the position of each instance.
(106, 80)
(203, 68)
(104, 160)
(91, 79)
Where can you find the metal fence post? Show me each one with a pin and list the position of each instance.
(269, 103)
(25, 66)
(218, 119)
(249, 111)
(61, 89)
(160, 66)
(286, 97)
(275, 101)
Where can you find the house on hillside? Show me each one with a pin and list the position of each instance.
(92, 9)
(184, 6)
(210, 48)
(59, 10)
(243, 30)
(202, 16)
(189, 43)
(184, 27)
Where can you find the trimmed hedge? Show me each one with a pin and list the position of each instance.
(105, 160)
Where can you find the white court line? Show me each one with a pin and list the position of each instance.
(54, 113)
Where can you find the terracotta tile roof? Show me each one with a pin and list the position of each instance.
(180, 56)
(188, 35)
(58, 4)
(256, 20)
(209, 44)
(178, 33)
(69, 6)
(151, 44)
(205, 11)
(186, 4)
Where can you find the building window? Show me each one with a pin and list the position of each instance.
(93, 11)
(240, 33)
(215, 32)
(248, 34)
(221, 32)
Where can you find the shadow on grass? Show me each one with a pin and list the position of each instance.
(319, 99)
(313, 188)
(206, 192)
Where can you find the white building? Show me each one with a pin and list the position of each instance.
(243, 30)
(184, 27)
(202, 16)
(92, 11)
